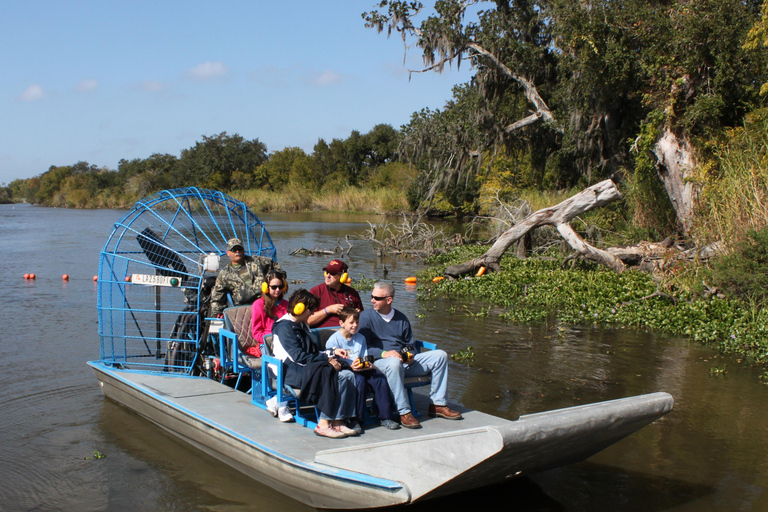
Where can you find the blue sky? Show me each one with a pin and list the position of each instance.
(99, 81)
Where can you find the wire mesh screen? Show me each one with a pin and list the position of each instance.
(152, 286)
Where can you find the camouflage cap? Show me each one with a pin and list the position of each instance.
(234, 242)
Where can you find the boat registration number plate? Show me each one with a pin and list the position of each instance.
(154, 280)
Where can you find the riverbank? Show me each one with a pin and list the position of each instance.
(538, 290)
(379, 201)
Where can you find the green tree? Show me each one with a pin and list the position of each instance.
(212, 162)
(289, 165)
(576, 81)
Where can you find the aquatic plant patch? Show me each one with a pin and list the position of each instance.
(536, 289)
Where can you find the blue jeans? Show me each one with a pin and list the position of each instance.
(345, 399)
(433, 362)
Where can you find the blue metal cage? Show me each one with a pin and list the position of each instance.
(155, 276)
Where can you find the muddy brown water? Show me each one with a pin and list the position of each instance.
(709, 454)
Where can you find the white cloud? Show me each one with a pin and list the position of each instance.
(87, 85)
(32, 93)
(208, 71)
(325, 78)
(150, 86)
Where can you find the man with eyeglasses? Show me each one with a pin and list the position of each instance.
(241, 279)
(388, 332)
(334, 294)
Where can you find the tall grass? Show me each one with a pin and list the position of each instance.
(347, 199)
(735, 194)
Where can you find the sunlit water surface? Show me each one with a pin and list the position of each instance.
(708, 454)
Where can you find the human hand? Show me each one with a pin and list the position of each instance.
(334, 309)
(340, 352)
(335, 363)
(393, 353)
(356, 366)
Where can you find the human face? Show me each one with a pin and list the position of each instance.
(380, 301)
(275, 287)
(350, 325)
(236, 255)
(333, 281)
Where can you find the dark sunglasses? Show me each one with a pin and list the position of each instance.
(379, 298)
(237, 249)
(276, 286)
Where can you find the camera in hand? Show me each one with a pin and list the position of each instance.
(365, 361)
(407, 352)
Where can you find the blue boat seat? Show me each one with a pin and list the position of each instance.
(234, 338)
(273, 384)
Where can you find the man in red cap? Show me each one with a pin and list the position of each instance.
(334, 295)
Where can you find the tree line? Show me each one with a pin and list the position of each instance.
(220, 162)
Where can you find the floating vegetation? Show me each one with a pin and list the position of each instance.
(463, 356)
(538, 289)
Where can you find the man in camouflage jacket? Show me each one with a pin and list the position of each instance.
(241, 278)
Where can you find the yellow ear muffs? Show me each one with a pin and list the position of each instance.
(325, 273)
(344, 278)
(264, 288)
(299, 309)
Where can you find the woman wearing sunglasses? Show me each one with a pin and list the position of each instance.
(269, 307)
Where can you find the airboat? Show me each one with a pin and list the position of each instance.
(163, 359)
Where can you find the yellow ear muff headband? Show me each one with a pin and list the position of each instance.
(265, 287)
(299, 309)
(343, 279)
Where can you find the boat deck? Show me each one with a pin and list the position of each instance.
(232, 411)
(388, 466)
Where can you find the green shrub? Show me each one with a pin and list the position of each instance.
(744, 272)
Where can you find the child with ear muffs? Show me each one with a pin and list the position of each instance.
(308, 367)
(268, 308)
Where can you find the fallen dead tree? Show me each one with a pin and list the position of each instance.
(411, 237)
(648, 256)
(558, 216)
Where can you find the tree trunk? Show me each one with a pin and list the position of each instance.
(558, 216)
(675, 161)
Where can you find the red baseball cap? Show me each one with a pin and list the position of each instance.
(336, 266)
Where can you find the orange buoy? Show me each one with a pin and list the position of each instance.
(437, 279)
(410, 280)
(95, 278)
(127, 279)
(26, 276)
(65, 277)
(481, 271)
(32, 276)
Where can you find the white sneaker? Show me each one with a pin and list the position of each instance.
(272, 406)
(283, 413)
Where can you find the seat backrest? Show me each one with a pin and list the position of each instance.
(322, 335)
(238, 320)
(268, 344)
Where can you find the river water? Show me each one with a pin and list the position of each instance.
(710, 453)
